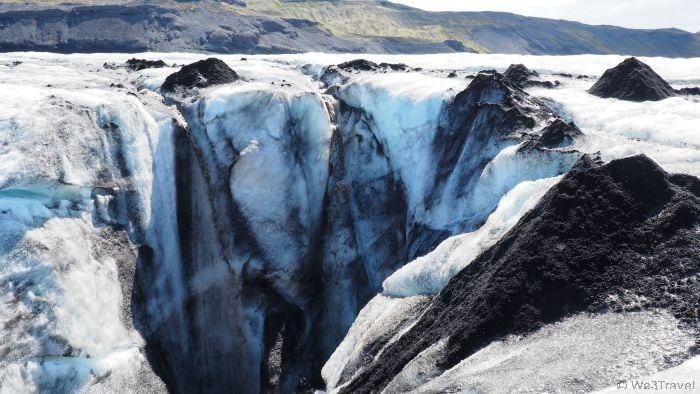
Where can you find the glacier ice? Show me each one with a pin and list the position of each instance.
(404, 113)
(580, 353)
(499, 294)
(664, 130)
(251, 166)
(266, 182)
(606, 133)
(380, 316)
(77, 171)
(66, 320)
(260, 217)
(684, 374)
(428, 274)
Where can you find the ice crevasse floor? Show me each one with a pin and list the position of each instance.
(55, 157)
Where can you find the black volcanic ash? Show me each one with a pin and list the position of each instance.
(201, 74)
(135, 64)
(632, 80)
(603, 236)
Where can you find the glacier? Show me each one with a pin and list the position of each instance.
(607, 262)
(544, 360)
(270, 234)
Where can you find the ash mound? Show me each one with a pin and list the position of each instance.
(366, 65)
(632, 80)
(201, 74)
(522, 76)
(608, 238)
(495, 92)
(558, 134)
(340, 73)
(134, 64)
(695, 91)
(519, 74)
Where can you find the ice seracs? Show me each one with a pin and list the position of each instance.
(368, 178)
(76, 195)
(285, 219)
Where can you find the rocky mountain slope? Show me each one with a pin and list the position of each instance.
(275, 26)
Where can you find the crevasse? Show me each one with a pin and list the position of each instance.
(255, 221)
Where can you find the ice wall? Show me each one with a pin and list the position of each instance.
(75, 198)
(251, 171)
(612, 129)
(293, 206)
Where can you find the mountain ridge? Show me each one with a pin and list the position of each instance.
(270, 26)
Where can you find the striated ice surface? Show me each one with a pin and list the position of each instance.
(379, 321)
(679, 379)
(580, 353)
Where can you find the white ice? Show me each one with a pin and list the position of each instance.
(668, 131)
(404, 114)
(680, 379)
(283, 139)
(63, 302)
(62, 309)
(580, 353)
